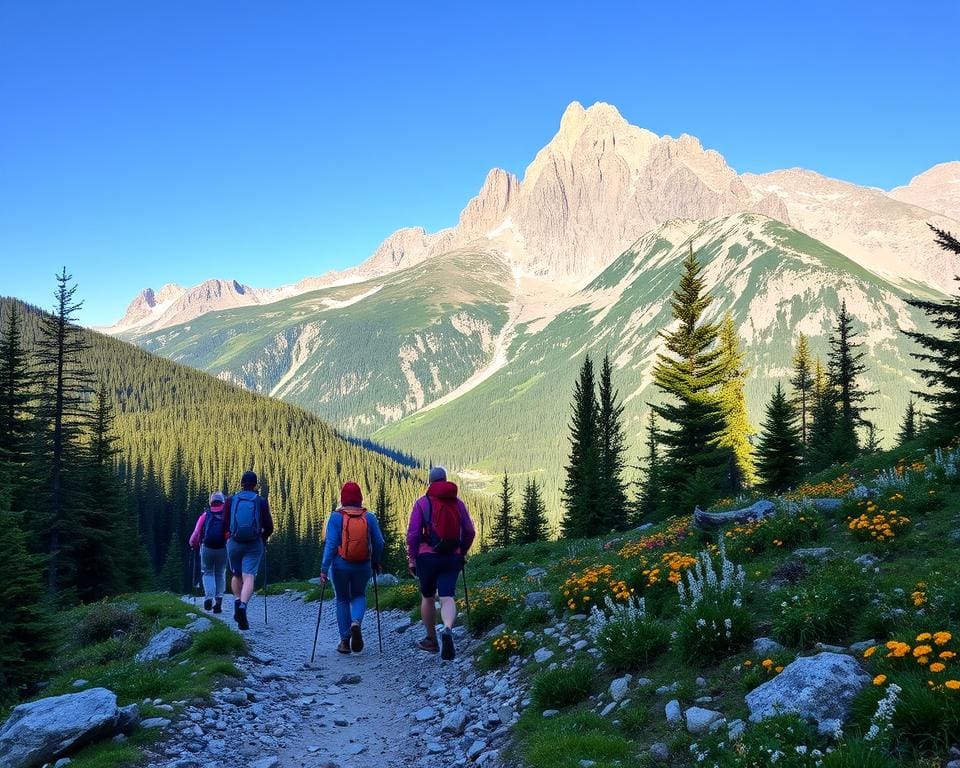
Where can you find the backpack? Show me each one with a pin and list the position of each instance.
(245, 517)
(441, 525)
(213, 530)
(354, 536)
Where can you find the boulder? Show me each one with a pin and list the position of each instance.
(618, 687)
(386, 580)
(817, 688)
(201, 624)
(166, 643)
(537, 600)
(40, 731)
(766, 646)
(673, 712)
(454, 722)
(536, 573)
(814, 553)
(756, 511)
(699, 720)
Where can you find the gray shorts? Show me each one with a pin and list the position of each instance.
(244, 557)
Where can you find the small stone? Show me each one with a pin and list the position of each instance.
(476, 748)
(701, 682)
(580, 645)
(859, 648)
(536, 573)
(267, 762)
(660, 751)
(699, 720)
(349, 680)
(830, 648)
(260, 656)
(80, 682)
(663, 690)
(551, 712)
(340, 722)
(199, 625)
(765, 646)
(155, 722)
(608, 709)
(425, 713)
(542, 654)
(63, 761)
(814, 553)
(673, 713)
(587, 763)
(735, 729)
(355, 749)
(644, 682)
(454, 722)
(618, 687)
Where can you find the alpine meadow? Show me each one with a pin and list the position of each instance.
(374, 395)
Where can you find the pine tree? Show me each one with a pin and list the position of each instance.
(802, 382)
(845, 366)
(503, 532)
(394, 550)
(582, 487)
(737, 431)
(178, 568)
(532, 526)
(823, 420)
(612, 509)
(28, 632)
(651, 503)
(779, 449)
(15, 416)
(690, 372)
(64, 384)
(908, 427)
(942, 355)
(872, 446)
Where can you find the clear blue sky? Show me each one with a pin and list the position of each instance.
(176, 140)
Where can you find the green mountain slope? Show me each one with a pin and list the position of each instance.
(360, 355)
(776, 282)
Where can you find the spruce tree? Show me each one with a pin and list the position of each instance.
(394, 549)
(690, 372)
(823, 420)
(64, 385)
(612, 510)
(582, 487)
(503, 531)
(15, 415)
(28, 632)
(845, 366)
(941, 355)
(908, 427)
(651, 502)
(532, 525)
(737, 431)
(872, 444)
(802, 382)
(779, 449)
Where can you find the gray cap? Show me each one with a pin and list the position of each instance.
(437, 474)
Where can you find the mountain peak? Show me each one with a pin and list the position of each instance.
(936, 189)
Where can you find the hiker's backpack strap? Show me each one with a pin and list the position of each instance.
(426, 521)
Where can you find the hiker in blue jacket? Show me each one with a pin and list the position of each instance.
(353, 549)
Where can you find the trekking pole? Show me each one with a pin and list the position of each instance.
(466, 594)
(316, 632)
(193, 576)
(264, 583)
(376, 600)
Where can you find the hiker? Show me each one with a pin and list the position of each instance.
(438, 538)
(249, 525)
(210, 536)
(353, 548)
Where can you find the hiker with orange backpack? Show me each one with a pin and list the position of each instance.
(353, 550)
(438, 538)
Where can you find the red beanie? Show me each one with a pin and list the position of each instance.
(350, 495)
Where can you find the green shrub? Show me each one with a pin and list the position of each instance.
(823, 609)
(758, 670)
(404, 596)
(782, 740)
(488, 606)
(561, 687)
(627, 639)
(859, 754)
(521, 618)
(634, 720)
(219, 640)
(102, 621)
(713, 630)
(500, 650)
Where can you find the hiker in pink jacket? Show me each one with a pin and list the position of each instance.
(438, 538)
(210, 536)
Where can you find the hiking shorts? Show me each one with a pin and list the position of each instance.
(244, 557)
(438, 574)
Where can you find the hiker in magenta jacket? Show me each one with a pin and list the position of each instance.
(211, 540)
(437, 572)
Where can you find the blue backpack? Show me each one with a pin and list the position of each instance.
(245, 517)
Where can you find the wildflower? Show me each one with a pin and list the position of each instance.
(870, 651)
(953, 685)
(879, 679)
(942, 638)
(937, 667)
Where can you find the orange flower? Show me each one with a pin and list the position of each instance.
(922, 650)
(953, 685)
(879, 679)
(937, 667)
(942, 638)
(870, 651)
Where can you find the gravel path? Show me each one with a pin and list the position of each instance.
(356, 711)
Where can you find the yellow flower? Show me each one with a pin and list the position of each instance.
(937, 667)
(947, 654)
(922, 650)
(870, 651)
(778, 669)
(923, 637)
(942, 638)
(767, 663)
(953, 685)
(879, 679)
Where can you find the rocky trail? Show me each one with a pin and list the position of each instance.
(403, 708)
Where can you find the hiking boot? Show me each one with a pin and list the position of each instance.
(344, 646)
(236, 610)
(428, 644)
(207, 604)
(447, 651)
(356, 639)
(218, 605)
(241, 613)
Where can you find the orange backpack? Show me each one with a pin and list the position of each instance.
(354, 536)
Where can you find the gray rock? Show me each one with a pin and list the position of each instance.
(166, 643)
(425, 713)
(644, 527)
(608, 709)
(735, 729)
(672, 711)
(579, 617)
(659, 751)
(155, 722)
(644, 682)
(814, 553)
(867, 560)
(505, 713)
(386, 580)
(542, 654)
(663, 690)
(199, 625)
(488, 758)
(267, 762)
(551, 712)
(499, 629)
(829, 648)
(129, 719)
(39, 731)
(766, 645)
(618, 687)
(260, 656)
(580, 645)
(80, 682)
(701, 682)
(349, 680)
(699, 720)
(859, 648)
(537, 600)
(536, 573)
(476, 749)
(454, 722)
(587, 763)
(817, 688)
(237, 698)
(355, 749)
(756, 511)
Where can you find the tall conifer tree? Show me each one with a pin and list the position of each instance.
(532, 526)
(802, 381)
(737, 431)
(908, 427)
(582, 487)
(650, 500)
(690, 372)
(941, 356)
(779, 449)
(845, 368)
(503, 531)
(823, 420)
(15, 402)
(612, 507)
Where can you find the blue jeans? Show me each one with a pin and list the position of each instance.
(350, 590)
(213, 563)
